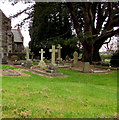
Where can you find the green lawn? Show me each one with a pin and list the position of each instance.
(77, 96)
(8, 67)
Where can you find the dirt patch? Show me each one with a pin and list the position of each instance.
(21, 72)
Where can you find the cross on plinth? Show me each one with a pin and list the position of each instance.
(53, 50)
(42, 64)
(41, 54)
(59, 52)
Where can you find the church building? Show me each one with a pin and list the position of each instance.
(11, 40)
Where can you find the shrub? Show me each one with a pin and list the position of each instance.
(115, 60)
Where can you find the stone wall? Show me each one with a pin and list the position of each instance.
(6, 37)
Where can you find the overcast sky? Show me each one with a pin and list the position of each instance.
(9, 9)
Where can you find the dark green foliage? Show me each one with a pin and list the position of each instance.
(115, 59)
(50, 26)
(54, 23)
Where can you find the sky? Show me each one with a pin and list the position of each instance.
(9, 9)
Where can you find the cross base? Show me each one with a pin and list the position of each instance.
(42, 64)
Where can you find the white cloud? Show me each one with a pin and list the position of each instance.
(9, 10)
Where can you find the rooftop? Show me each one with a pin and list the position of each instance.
(17, 35)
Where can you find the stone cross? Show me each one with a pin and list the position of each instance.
(27, 53)
(53, 50)
(42, 64)
(41, 54)
(59, 52)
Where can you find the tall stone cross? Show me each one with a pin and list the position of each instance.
(27, 53)
(41, 54)
(59, 52)
(53, 50)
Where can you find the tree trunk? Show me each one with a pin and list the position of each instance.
(87, 52)
(91, 52)
(96, 56)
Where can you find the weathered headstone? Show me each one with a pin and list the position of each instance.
(53, 50)
(42, 63)
(86, 67)
(28, 63)
(59, 52)
(67, 58)
(75, 60)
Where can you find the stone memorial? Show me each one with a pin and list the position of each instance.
(28, 63)
(42, 64)
(53, 50)
(59, 52)
(75, 60)
(67, 59)
(86, 67)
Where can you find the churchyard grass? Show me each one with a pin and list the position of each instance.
(77, 96)
(35, 63)
(8, 67)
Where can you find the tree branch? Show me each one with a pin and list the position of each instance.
(108, 41)
(106, 35)
(77, 27)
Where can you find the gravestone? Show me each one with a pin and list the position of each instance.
(28, 63)
(67, 58)
(75, 60)
(53, 50)
(86, 67)
(42, 64)
(59, 52)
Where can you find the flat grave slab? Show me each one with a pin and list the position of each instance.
(50, 71)
(9, 73)
(15, 72)
(101, 71)
(48, 74)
